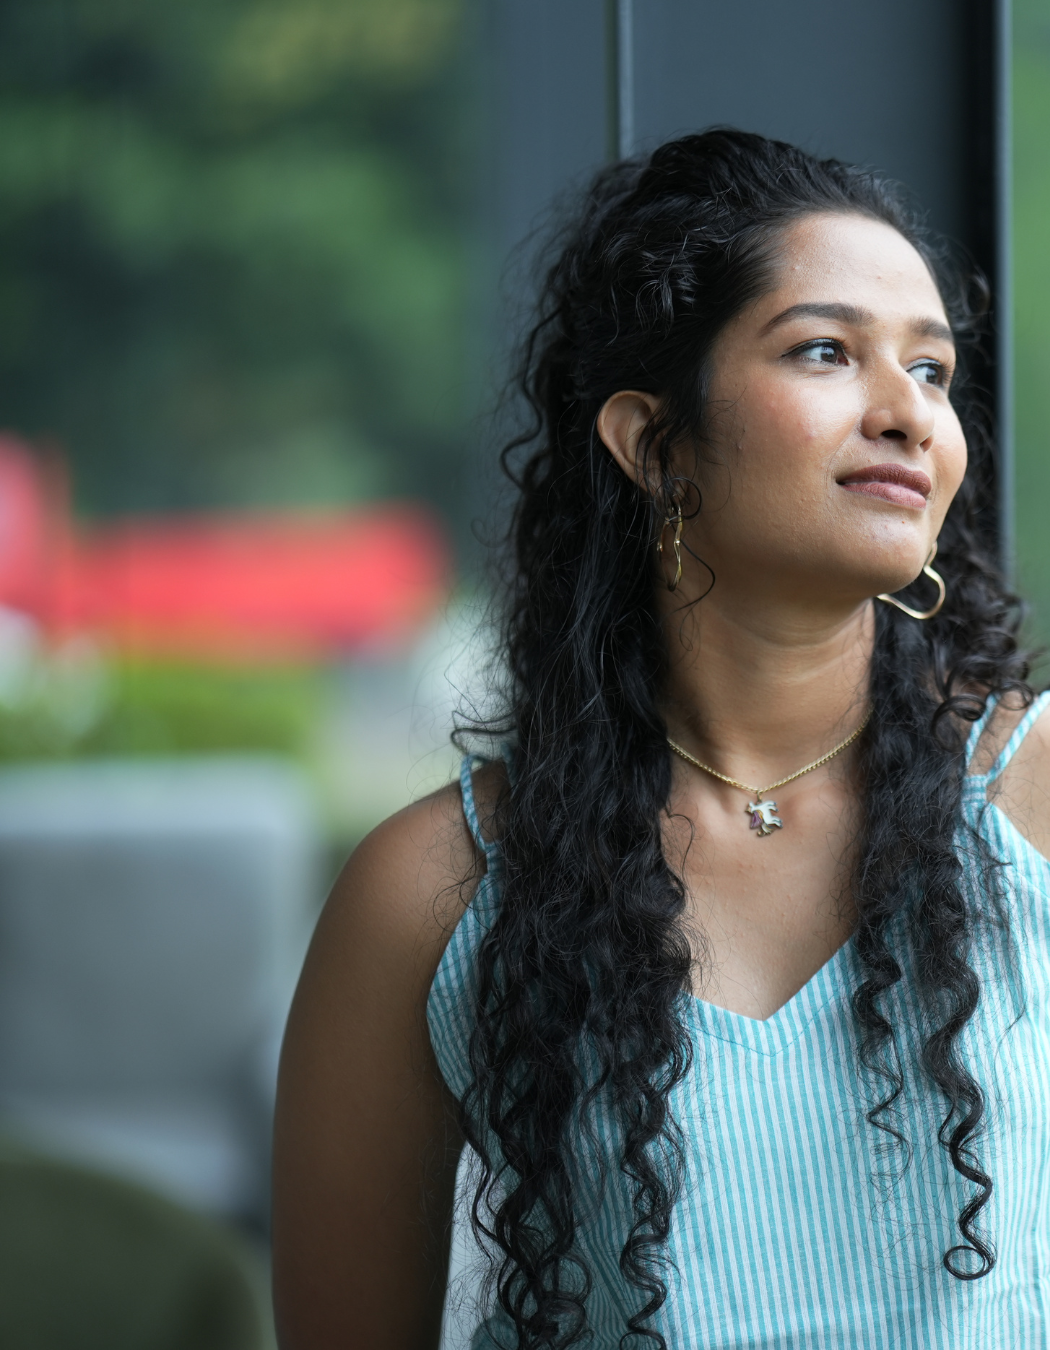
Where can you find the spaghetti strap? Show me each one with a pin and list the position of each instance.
(1020, 732)
(977, 731)
(470, 809)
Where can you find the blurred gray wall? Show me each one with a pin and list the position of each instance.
(153, 917)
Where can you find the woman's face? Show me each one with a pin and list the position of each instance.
(834, 452)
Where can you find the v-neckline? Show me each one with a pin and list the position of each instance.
(782, 1028)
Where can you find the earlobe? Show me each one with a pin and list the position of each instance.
(620, 423)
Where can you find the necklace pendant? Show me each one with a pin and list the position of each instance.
(764, 817)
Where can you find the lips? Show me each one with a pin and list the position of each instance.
(891, 483)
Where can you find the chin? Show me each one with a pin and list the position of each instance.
(889, 565)
(885, 579)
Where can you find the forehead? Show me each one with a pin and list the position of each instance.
(852, 260)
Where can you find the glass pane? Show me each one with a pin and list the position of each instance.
(236, 238)
(238, 336)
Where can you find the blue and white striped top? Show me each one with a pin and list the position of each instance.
(783, 1238)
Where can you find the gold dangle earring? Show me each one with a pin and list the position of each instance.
(938, 581)
(674, 519)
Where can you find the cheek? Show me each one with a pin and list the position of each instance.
(779, 461)
(792, 429)
(959, 463)
(951, 466)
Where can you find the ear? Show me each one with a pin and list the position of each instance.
(620, 423)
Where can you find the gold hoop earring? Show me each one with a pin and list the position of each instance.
(673, 518)
(938, 581)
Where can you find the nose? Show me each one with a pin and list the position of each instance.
(897, 411)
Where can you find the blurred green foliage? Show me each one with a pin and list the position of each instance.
(75, 705)
(173, 709)
(234, 239)
(1032, 291)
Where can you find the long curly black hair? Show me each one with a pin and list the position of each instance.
(582, 972)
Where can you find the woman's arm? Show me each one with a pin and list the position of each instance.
(366, 1141)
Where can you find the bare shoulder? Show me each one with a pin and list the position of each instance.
(406, 885)
(366, 1135)
(1022, 791)
(396, 903)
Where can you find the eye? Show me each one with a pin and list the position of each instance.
(824, 352)
(929, 372)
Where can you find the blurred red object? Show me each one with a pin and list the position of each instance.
(30, 506)
(237, 586)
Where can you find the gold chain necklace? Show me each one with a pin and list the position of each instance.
(763, 814)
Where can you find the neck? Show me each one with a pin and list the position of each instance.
(758, 692)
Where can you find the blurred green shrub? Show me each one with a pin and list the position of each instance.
(91, 1262)
(140, 708)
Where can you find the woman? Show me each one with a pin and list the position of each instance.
(728, 969)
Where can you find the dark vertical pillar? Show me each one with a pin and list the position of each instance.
(549, 95)
(620, 46)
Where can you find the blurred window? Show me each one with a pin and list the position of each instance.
(239, 282)
(1031, 106)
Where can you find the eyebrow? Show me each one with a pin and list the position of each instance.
(855, 315)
